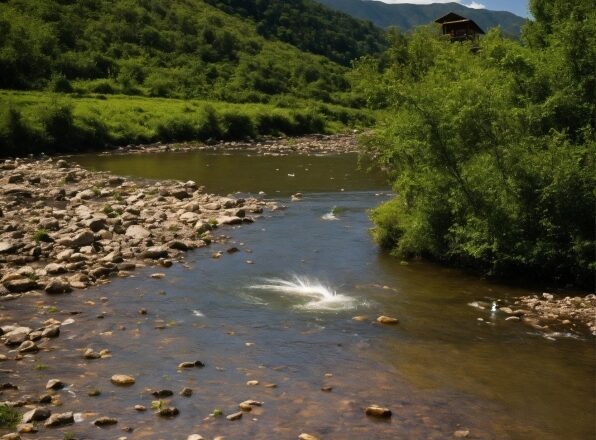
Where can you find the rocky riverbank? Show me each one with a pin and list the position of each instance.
(313, 144)
(550, 313)
(63, 227)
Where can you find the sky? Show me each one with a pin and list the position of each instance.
(518, 7)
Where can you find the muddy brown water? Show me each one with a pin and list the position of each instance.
(441, 369)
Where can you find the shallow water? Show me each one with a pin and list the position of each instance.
(440, 369)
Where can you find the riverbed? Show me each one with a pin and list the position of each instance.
(273, 320)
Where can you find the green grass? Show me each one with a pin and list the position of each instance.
(32, 122)
(9, 417)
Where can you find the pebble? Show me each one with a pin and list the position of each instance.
(54, 384)
(122, 379)
(387, 320)
(235, 416)
(105, 421)
(378, 411)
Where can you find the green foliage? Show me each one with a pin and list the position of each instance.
(492, 153)
(9, 417)
(41, 235)
(32, 122)
(185, 49)
(309, 26)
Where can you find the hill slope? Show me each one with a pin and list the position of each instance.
(167, 48)
(408, 16)
(310, 27)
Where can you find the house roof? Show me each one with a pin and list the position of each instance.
(453, 18)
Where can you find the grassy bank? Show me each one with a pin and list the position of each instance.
(34, 122)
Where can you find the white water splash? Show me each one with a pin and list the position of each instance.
(321, 297)
(198, 313)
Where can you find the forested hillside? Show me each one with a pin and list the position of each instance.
(310, 27)
(493, 161)
(181, 48)
(407, 16)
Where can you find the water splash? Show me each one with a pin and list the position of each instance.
(321, 297)
(332, 215)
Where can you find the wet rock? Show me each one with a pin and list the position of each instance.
(155, 252)
(28, 347)
(327, 389)
(46, 398)
(377, 411)
(195, 437)
(122, 379)
(197, 364)
(52, 331)
(11, 436)
(248, 404)
(140, 408)
(91, 354)
(305, 436)
(235, 416)
(387, 320)
(20, 285)
(55, 384)
(57, 286)
(252, 383)
(66, 418)
(162, 393)
(461, 433)
(26, 428)
(16, 336)
(105, 421)
(36, 415)
(169, 412)
(186, 392)
(229, 220)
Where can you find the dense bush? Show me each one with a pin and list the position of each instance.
(491, 148)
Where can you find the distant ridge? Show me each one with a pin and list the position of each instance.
(407, 16)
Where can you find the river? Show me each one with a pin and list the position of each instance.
(280, 311)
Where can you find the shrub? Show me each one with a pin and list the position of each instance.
(176, 129)
(308, 122)
(236, 126)
(103, 87)
(14, 133)
(57, 122)
(41, 235)
(274, 123)
(59, 84)
(208, 124)
(9, 417)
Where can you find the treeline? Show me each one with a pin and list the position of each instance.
(310, 27)
(491, 146)
(163, 48)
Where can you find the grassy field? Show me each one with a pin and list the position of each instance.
(32, 122)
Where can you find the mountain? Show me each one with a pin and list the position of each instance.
(180, 48)
(407, 16)
(310, 27)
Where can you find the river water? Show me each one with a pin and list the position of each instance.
(447, 365)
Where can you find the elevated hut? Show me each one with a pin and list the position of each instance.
(459, 28)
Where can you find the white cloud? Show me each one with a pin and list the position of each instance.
(475, 5)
